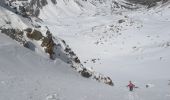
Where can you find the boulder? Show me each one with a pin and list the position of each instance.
(35, 35)
(85, 73)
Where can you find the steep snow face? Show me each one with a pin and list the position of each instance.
(25, 75)
(8, 20)
(61, 9)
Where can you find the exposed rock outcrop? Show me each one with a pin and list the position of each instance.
(28, 7)
(148, 3)
(34, 34)
(15, 34)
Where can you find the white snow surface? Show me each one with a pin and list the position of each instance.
(137, 49)
(25, 75)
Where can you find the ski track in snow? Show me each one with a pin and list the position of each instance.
(133, 96)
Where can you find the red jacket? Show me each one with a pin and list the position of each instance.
(131, 85)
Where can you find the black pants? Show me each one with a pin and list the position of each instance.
(130, 88)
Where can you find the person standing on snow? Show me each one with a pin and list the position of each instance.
(131, 86)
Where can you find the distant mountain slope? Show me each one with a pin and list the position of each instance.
(41, 8)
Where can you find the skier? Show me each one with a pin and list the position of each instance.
(131, 86)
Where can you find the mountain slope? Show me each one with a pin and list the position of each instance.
(26, 75)
(124, 44)
(123, 40)
(34, 35)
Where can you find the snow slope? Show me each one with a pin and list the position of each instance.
(125, 44)
(25, 75)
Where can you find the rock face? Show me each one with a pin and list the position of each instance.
(49, 45)
(34, 34)
(15, 34)
(54, 1)
(30, 45)
(85, 73)
(148, 3)
(28, 7)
